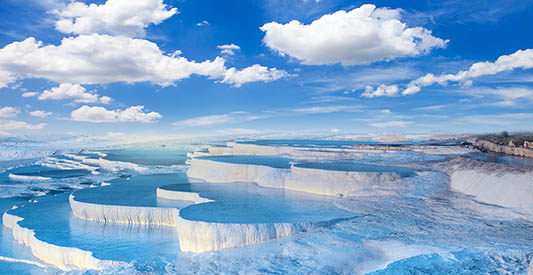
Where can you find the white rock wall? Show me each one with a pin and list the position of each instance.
(123, 214)
(66, 258)
(182, 196)
(508, 189)
(317, 181)
(197, 236)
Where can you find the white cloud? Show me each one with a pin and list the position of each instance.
(325, 109)
(39, 113)
(6, 78)
(239, 132)
(381, 90)
(101, 114)
(233, 117)
(521, 59)
(228, 49)
(73, 91)
(361, 36)
(30, 94)
(19, 125)
(431, 107)
(505, 96)
(393, 123)
(100, 59)
(253, 73)
(117, 17)
(8, 112)
(505, 119)
(203, 23)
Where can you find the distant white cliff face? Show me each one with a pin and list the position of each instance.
(316, 181)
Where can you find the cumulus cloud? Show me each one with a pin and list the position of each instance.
(117, 17)
(229, 49)
(392, 123)
(19, 125)
(8, 112)
(6, 78)
(381, 90)
(361, 36)
(39, 113)
(100, 59)
(210, 120)
(521, 59)
(73, 91)
(253, 73)
(101, 114)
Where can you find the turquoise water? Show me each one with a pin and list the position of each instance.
(271, 161)
(50, 173)
(52, 221)
(307, 143)
(134, 191)
(249, 203)
(455, 235)
(355, 167)
(148, 157)
(505, 159)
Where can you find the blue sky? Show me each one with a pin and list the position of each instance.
(245, 67)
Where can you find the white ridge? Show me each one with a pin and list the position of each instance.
(13, 260)
(27, 178)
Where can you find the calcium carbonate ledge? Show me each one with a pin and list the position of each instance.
(194, 236)
(199, 236)
(66, 258)
(316, 181)
(181, 196)
(123, 214)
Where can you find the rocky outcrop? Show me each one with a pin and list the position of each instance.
(508, 150)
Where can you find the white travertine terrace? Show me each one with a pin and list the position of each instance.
(123, 214)
(220, 151)
(54, 162)
(318, 153)
(27, 178)
(194, 236)
(114, 165)
(66, 258)
(332, 183)
(198, 236)
(509, 190)
(316, 181)
(216, 171)
(493, 183)
(181, 196)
